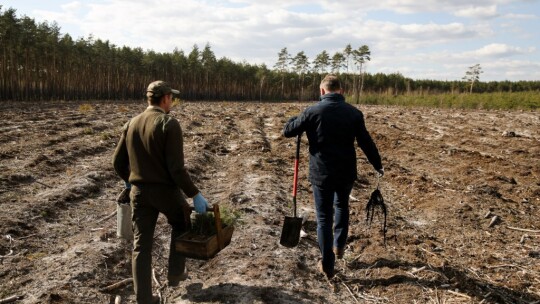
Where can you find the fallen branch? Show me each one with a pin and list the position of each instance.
(11, 299)
(473, 272)
(155, 279)
(117, 285)
(42, 184)
(160, 287)
(11, 255)
(352, 294)
(28, 236)
(418, 269)
(433, 254)
(107, 217)
(370, 298)
(524, 230)
(459, 294)
(500, 266)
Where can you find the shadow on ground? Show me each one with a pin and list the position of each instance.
(237, 293)
(450, 278)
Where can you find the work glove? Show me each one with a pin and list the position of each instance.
(380, 172)
(200, 203)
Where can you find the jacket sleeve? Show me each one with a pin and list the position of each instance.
(120, 157)
(365, 142)
(174, 156)
(295, 125)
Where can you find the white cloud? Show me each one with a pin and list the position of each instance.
(72, 6)
(392, 38)
(487, 53)
(464, 8)
(521, 16)
(511, 70)
(502, 50)
(478, 12)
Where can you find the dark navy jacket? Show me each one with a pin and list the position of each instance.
(332, 126)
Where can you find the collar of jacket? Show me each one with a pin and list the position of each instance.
(332, 97)
(155, 108)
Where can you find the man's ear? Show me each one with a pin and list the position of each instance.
(323, 91)
(163, 100)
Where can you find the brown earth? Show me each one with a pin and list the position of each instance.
(445, 171)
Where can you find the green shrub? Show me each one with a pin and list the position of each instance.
(88, 131)
(86, 108)
(106, 136)
(502, 101)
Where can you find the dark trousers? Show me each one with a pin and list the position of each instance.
(147, 202)
(327, 199)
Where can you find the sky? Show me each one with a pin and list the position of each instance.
(430, 39)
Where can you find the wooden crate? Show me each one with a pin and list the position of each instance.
(196, 247)
(205, 247)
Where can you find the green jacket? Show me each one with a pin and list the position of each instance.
(151, 151)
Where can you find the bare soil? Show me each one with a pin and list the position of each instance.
(448, 174)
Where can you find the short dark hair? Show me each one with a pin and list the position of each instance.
(154, 100)
(331, 83)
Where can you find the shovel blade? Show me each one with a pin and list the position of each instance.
(290, 235)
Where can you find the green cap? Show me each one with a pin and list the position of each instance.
(159, 88)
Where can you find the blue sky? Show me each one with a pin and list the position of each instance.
(421, 39)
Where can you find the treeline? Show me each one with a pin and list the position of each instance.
(37, 62)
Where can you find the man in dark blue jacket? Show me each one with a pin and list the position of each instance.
(332, 126)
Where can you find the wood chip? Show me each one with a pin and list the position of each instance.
(494, 221)
(416, 270)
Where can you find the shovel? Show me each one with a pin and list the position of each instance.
(290, 235)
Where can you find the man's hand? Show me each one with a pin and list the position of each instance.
(380, 172)
(200, 203)
(123, 197)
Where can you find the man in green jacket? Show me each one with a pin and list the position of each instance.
(150, 156)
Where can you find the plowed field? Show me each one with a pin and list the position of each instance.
(448, 174)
